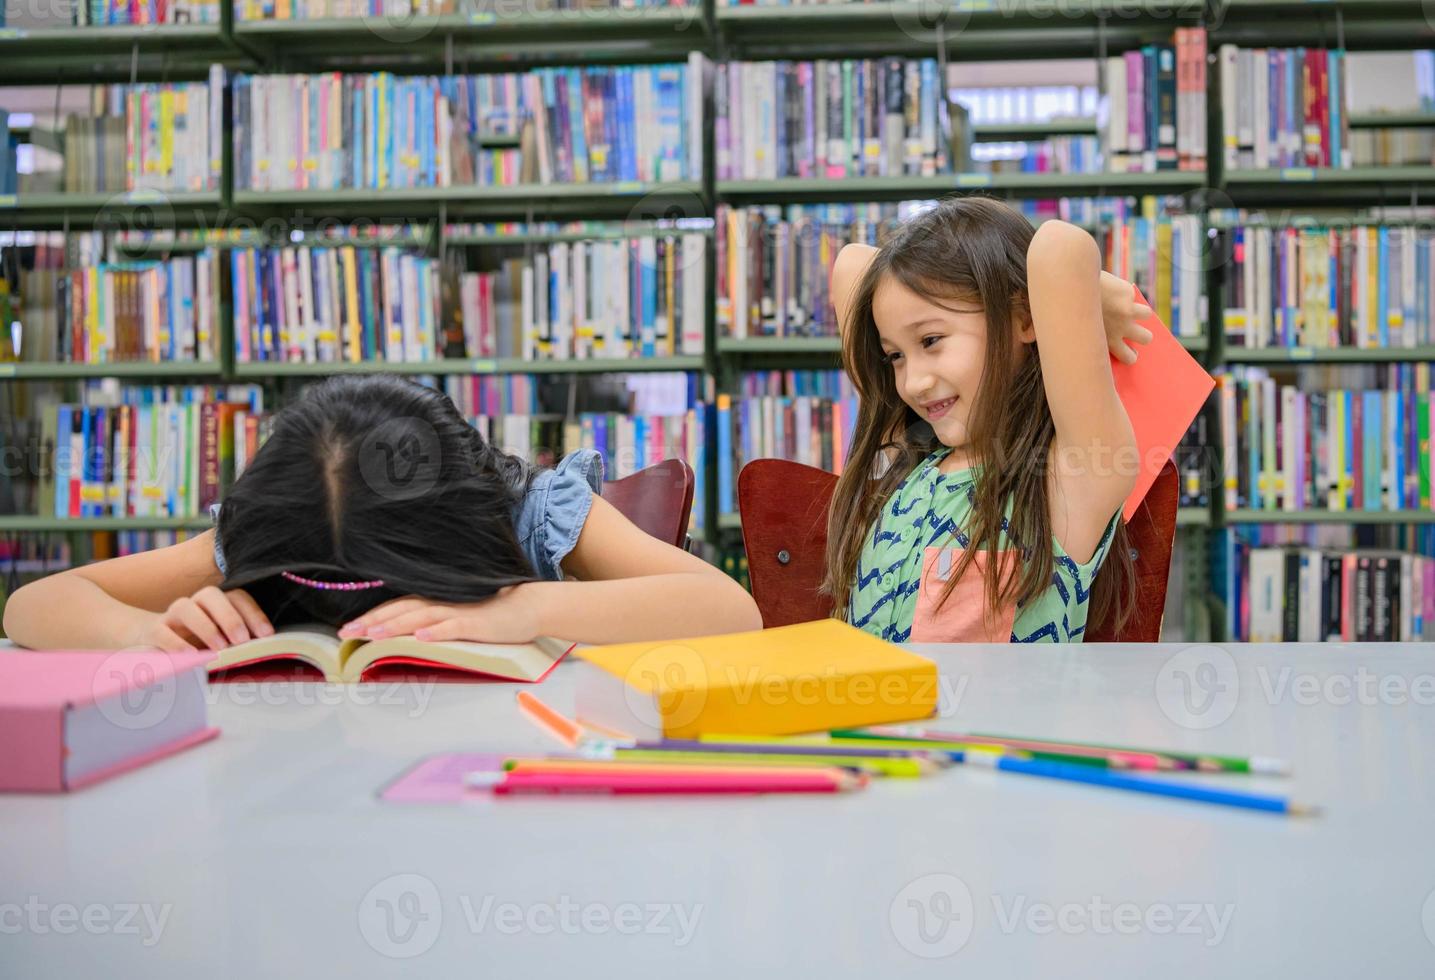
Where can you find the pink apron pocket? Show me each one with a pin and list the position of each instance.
(960, 619)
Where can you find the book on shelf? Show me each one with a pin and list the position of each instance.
(1153, 114)
(161, 137)
(619, 298)
(122, 312)
(1302, 594)
(325, 305)
(1289, 448)
(829, 119)
(340, 9)
(349, 661)
(1361, 285)
(1284, 107)
(159, 452)
(9, 151)
(111, 13)
(1163, 254)
(773, 263)
(804, 416)
(600, 124)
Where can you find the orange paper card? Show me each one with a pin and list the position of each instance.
(1163, 391)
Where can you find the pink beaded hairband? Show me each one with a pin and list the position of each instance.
(341, 586)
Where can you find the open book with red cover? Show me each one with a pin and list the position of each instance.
(1163, 392)
(356, 659)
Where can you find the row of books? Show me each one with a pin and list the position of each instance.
(1363, 286)
(402, 9)
(773, 263)
(152, 452)
(1055, 155)
(1392, 147)
(571, 125)
(1156, 106)
(1290, 448)
(829, 119)
(806, 417)
(1284, 107)
(1165, 256)
(1028, 103)
(321, 305)
(151, 136)
(635, 297)
(99, 13)
(121, 311)
(1313, 595)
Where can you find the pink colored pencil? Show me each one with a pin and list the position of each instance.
(513, 783)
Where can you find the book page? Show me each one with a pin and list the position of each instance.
(314, 644)
(522, 661)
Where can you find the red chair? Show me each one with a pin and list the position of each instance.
(784, 529)
(658, 499)
(1152, 533)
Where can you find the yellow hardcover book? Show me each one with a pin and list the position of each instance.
(351, 304)
(805, 678)
(166, 132)
(382, 83)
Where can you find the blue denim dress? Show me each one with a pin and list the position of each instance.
(547, 520)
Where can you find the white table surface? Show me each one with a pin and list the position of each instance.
(266, 853)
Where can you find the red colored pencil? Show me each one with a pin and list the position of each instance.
(781, 781)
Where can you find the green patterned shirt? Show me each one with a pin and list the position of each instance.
(914, 545)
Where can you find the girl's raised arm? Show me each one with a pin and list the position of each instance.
(1095, 451)
(847, 271)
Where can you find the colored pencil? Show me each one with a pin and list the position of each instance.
(773, 744)
(1138, 784)
(626, 767)
(1055, 752)
(900, 768)
(1203, 761)
(567, 732)
(512, 783)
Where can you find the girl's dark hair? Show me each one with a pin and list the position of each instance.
(970, 250)
(366, 478)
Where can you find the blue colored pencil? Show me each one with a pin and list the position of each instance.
(1136, 784)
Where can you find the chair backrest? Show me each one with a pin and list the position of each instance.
(658, 499)
(784, 529)
(1152, 532)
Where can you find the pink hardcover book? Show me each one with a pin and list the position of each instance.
(69, 719)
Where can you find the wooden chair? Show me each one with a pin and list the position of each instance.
(784, 529)
(1152, 532)
(658, 499)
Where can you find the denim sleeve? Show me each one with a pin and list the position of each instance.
(553, 511)
(218, 548)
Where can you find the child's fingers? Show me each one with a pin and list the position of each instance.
(171, 642)
(1123, 353)
(188, 614)
(456, 628)
(249, 610)
(386, 611)
(218, 607)
(1142, 311)
(407, 623)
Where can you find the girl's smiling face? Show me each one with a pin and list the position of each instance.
(936, 354)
